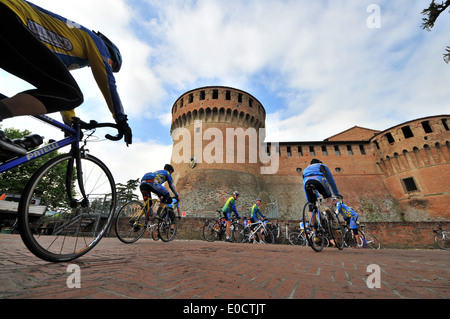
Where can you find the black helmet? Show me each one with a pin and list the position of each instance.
(169, 168)
(113, 50)
(315, 161)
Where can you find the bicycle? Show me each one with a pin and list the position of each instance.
(368, 240)
(77, 194)
(135, 217)
(298, 238)
(442, 238)
(249, 233)
(216, 229)
(279, 237)
(323, 224)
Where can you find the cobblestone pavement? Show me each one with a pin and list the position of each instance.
(196, 269)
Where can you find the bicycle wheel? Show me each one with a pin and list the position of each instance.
(237, 232)
(267, 236)
(370, 240)
(167, 228)
(443, 240)
(316, 239)
(210, 231)
(296, 239)
(57, 229)
(130, 222)
(337, 232)
(278, 236)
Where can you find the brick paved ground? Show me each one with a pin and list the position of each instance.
(219, 270)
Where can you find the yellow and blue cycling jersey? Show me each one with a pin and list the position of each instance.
(230, 206)
(74, 45)
(349, 214)
(158, 178)
(255, 213)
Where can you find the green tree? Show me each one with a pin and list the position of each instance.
(125, 192)
(431, 14)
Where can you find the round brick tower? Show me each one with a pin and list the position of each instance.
(216, 134)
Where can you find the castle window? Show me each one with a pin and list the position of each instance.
(250, 102)
(215, 94)
(181, 102)
(202, 95)
(288, 149)
(228, 95)
(362, 150)
(337, 151)
(338, 169)
(349, 150)
(300, 153)
(240, 98)
(311, 151)
(407, 132)
(191, 98)
(324, 151)
(299, 170)
(444, 122)
(376, 145)
(389, 138)
(409, 184)
(427, 127)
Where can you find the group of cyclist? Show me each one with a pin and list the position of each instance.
(42, 48)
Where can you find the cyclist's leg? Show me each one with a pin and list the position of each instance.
(354, 228)
(26, 57)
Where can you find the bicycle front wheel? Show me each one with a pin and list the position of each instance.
(337, 232)
(210, 231)
(443, 240)
(237, 232)
(130, 222)
(58, 229)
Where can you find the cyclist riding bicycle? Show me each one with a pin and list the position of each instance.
(254, 218)
(351, 217)
(230, 206)
(153, 183)
(41, 47)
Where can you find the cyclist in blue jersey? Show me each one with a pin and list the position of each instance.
(41, 47)
(153, 183)
(351, 217)
(230, 206)
(255, 215)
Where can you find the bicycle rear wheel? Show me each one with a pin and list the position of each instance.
(279, 236)
(130, 222)
(443, 240)
(267, 236)
(167, 228)
(57, 229)
(296, 239)
(370, 240)
(316, 239)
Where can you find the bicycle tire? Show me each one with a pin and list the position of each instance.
(167, 228)
(279, 236)
(267, 236)
(127, 228)
(210, 231)
(316, 245)
(337, 232)
(370, 240)
(237, 232)
(296, 239)
(50, 235)
(443, 240)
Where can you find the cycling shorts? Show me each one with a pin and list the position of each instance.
(157, 189)
(352, 222)
(321, 185)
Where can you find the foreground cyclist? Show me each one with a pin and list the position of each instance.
(41, 47)
(153, 183)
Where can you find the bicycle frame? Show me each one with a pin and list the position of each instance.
(74, 138)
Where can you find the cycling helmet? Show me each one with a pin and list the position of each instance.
(169, 168)
(315, 161)
(114, 52)
(236, 193)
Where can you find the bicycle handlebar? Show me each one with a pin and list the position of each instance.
(94, 124)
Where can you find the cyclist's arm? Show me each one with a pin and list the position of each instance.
(171, 185)
(330, 180)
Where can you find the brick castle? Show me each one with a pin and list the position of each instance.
(401, 173)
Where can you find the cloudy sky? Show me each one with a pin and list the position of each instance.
(318, 67)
